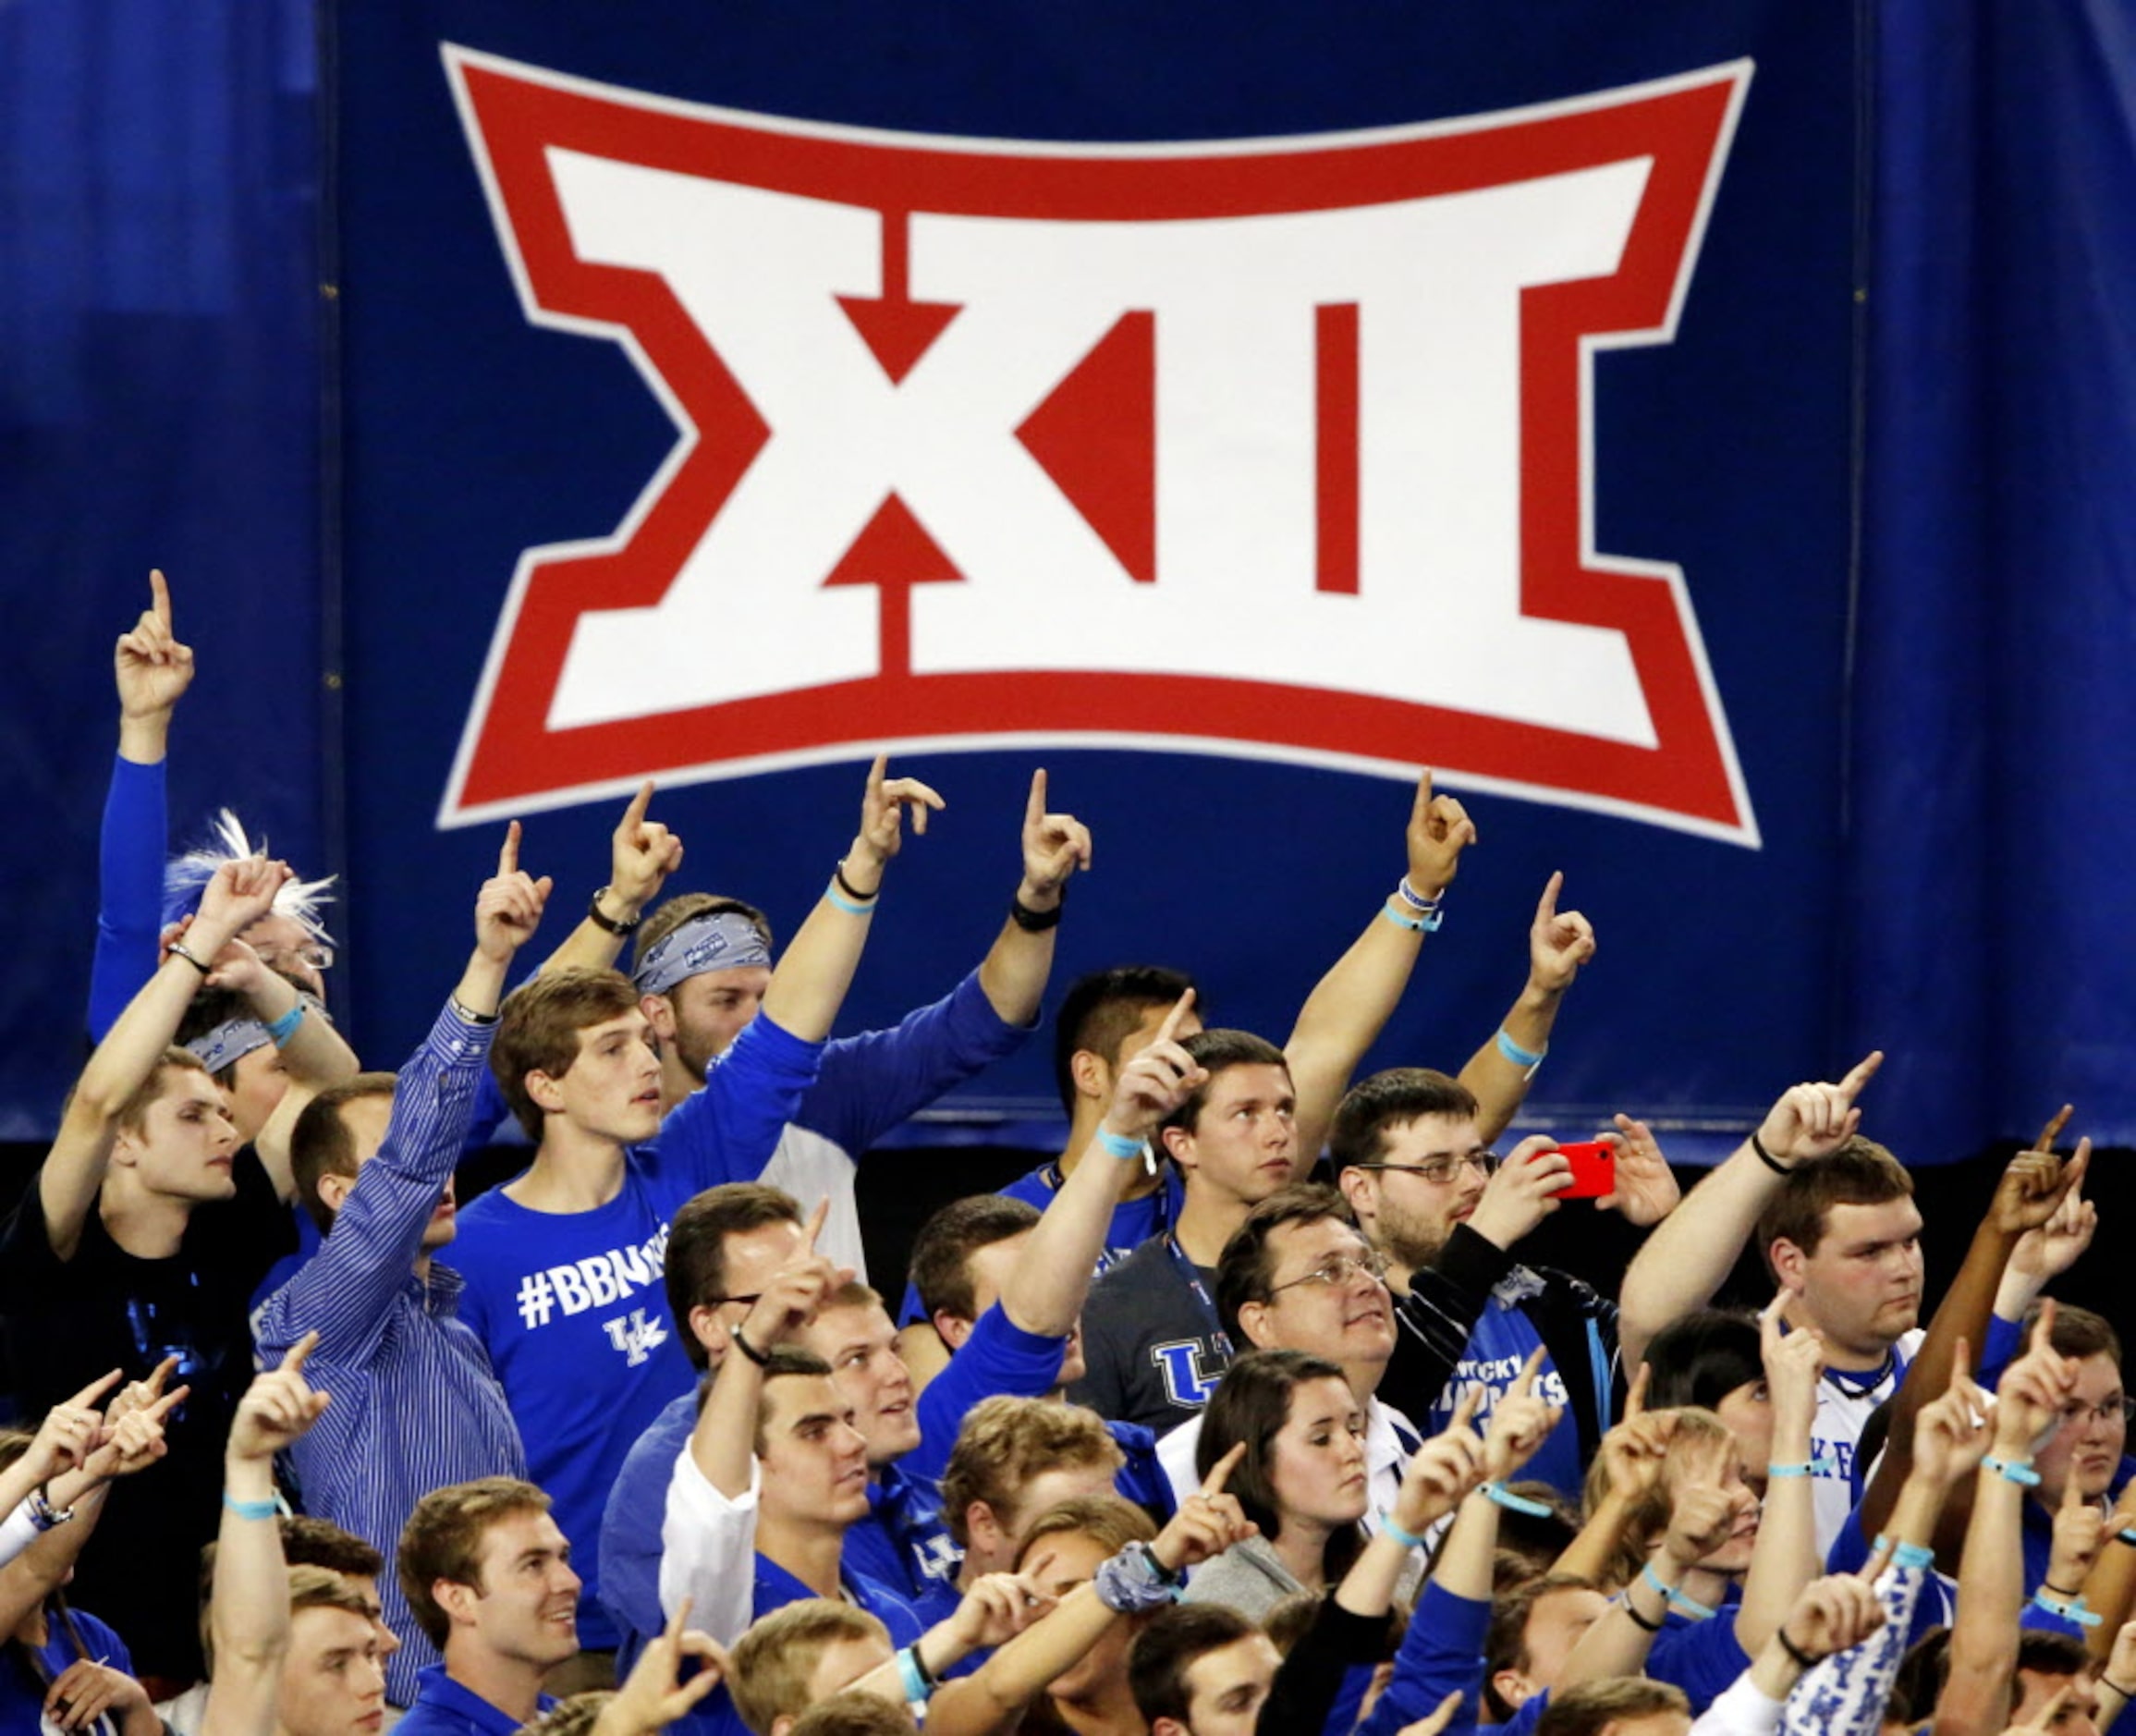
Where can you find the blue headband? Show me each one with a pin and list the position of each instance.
(725, 940)
(230, 1042)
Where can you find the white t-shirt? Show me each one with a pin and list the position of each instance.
(1845, 1402)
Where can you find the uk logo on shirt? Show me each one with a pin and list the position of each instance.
(1288, 440)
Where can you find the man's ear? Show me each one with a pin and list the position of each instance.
(1787, 1260)
(1091, 1077)
(1253, 1323)
(456, 1599)
(333, 1189)
(660, 1014)
(1513, 1688)
(547, 1094)
(1179, 1142)
(707, 1328)
(1170, 1727)
(982, 1527)
(1359, 1187)
(952, 1329)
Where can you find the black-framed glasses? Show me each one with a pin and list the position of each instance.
(1337, 1270)
(2107, 1411)
(721, 1301)
(1444, 1169)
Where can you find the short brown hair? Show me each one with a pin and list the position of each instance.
(1395, 1098)
(133, 1112)
(1246, 1269)
(1005, 1442)
(321, 1143)
(1505, 1640)
(1589, 1709)
(2078, 1332)
(538, 1031)
(442, 1539)
(1165, 1651)
(786, 1363)
(1859, 1173)
(1107, 1521)
(322, 1588)
(309, 1541)
(1101, 1010)
(851, 1712)
(943, 1250)
(776, 1659)
(687, 907)
(697, 1247)
(1216, 1052)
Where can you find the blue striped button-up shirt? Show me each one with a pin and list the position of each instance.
(415, 1404)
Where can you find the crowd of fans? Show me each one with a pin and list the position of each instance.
(1241, 1414)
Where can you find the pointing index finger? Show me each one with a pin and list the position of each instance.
(1034, 806)
(1635, 1400)
(300, 1353)
(508, 852)
(1546, 906)
(814, 1227)
(90, 1393)
(160, 597)
(1864, 1070)
(1169, 1031)
(1422, 809)
(634, 816)
(1220, 1473)
(1525, 1387)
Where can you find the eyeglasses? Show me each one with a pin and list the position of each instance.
(2107, 1410)
(1337, 1270)
(721, 1301)
(320, 958)
(1444, 1169)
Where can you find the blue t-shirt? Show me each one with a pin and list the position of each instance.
(572, 1306)
(1498, 1349)
(1701, 1656)
(444, 1707)
(22, 1695)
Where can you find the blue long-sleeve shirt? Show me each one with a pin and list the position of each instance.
(1442, 1651)
(129, 890)
(415, 1403)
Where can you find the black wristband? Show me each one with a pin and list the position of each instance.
(177, 950)
(1035, 921)
(594, 915)
(760, 1358)
(2055, 1590)
(1624, 1603)
(850, 889)
(1766, 1157)
(1802, 1659)
(2107, 1682)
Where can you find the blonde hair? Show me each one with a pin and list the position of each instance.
(1005, 1442)
(774, 1661)
(1107, 1520)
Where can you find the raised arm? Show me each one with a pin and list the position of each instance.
(1634, 1454)
(641, 854)
(314, 1055)
(1692, 1252)
(1351, 1004)
(249, 1613)
(1991, 1578)
(1044, 1292)
(809, 983)
(154, 670)
(346, 1291)
(1785, 1557)
(1013, 974)
(66, 1186)
(2029, 1194)
(1559, 943)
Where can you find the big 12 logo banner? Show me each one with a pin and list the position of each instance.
(1278, 448)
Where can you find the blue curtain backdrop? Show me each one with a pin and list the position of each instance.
(1890, 445)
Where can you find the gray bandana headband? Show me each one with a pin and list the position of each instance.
(228, 1042)
(723, 941)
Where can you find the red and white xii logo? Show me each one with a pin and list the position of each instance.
(1277, 448)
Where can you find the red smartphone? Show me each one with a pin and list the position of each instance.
(1594, 1169)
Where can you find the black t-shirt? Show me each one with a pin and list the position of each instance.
(68, 1321)
(1152, 1352)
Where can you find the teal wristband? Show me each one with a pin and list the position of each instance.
(1799, 1469)
(1407, 1539)
(911, 1675)
(2012, 1470)
(1400, 920)
(1916, 1556)
(1120, 1146)
(281, 1030)
(2067, 1609)
(1505, 1498)
(253, 1510)
(847, 904)
(1677, 1599)
(1512, 1051)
